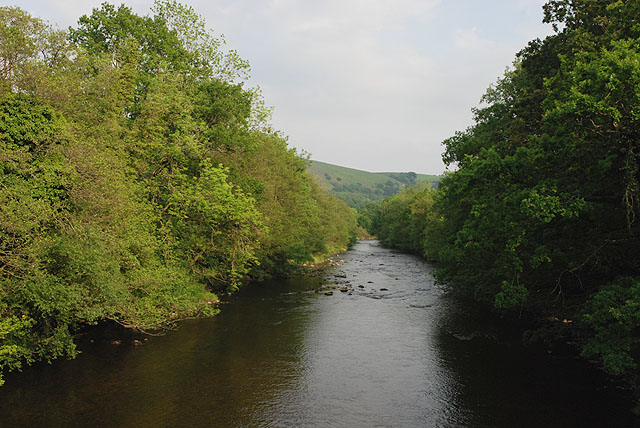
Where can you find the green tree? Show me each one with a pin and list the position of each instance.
(403, 219)
(137, 176)
(540, 215)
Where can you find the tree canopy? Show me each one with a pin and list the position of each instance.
(541, 212)
(138, 177)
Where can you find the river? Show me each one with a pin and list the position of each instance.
(389, 349)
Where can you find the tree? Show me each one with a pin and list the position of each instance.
(136, 179)
(540, 216)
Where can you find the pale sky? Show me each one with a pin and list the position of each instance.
(368, 84)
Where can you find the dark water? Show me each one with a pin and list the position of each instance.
(282, 355)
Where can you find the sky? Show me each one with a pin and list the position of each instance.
(375, 85)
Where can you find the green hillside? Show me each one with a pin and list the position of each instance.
(358, 188)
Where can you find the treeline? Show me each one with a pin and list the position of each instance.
(542, 213)
(357, 195)
(138, 175)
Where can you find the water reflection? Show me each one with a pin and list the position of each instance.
(504, 384)
(387, 350)
(370, 355)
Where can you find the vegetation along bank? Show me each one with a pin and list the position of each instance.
(541, 216)
(138, 176)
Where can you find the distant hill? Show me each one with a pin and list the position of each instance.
(358, 188)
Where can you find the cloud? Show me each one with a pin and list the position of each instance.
(348, 16)
(65, 13)
(468, 39)
(371, 84)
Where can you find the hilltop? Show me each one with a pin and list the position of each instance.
(358, 188)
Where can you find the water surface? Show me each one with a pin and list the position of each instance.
(285, 354)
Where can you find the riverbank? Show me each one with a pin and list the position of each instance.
(393, 351)
(551, 326)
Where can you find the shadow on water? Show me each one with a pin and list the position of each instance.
(210, 372)
(373, 343)
(505, 384)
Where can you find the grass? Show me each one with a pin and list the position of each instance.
(358, 188)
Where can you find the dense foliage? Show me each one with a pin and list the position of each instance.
(138, 176)
(542, 214)
(401, 221)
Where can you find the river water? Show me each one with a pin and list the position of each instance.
(388, 350)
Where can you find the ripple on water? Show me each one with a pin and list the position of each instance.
(284, 354)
